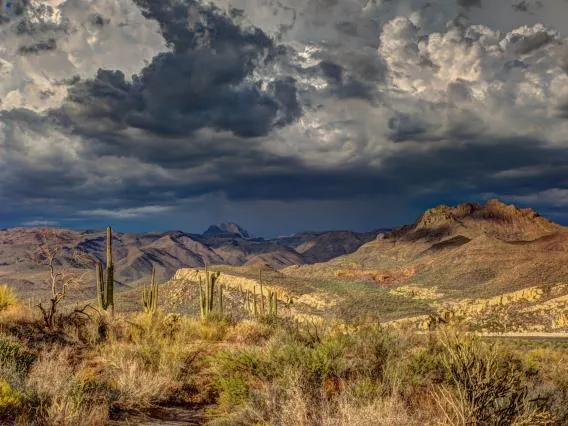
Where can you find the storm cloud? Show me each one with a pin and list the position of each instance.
(145, 107)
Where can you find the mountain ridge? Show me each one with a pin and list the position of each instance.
(136, 254)
(469, 248)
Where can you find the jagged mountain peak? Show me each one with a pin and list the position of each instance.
(227, 228)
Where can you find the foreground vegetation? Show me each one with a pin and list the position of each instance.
(93, 369)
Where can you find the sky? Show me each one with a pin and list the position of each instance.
(280, 115)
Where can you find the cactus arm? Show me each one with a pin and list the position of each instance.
(221, 300)
(100, 285)
(105, 281)
(144, 298)
(201, 299)
(207, 292)
(155, 290)
(262, 311)
(109, 246)
(109, 287)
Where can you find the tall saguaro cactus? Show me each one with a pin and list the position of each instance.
(271, 309)
(207, 294)
(105, 282)
(150, 295)
(272, 304)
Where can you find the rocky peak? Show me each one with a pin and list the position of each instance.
(493, 218)
(226, 229)
(492, 210)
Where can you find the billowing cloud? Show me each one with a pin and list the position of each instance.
(45, 44)
(141, 106)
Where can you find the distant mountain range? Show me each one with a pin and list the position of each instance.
(136, 254)
(470, 250)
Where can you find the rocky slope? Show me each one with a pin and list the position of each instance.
(487, 267)
(470, 249)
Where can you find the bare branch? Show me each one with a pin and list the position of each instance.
(48, 254)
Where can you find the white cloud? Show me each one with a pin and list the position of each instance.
(40, 222)
(555, 197)
(128, 213)
(88, 35)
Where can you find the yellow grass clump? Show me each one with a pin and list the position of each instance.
(7, 297)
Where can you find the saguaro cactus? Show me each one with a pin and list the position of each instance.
(272, 304)
(262, 311)
(272, 299)
(105, 284)
(207, 294)
(150, 295)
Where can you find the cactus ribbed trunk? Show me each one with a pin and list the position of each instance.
(262, 311)
(150, 295)
(105, 282)
(207, 294)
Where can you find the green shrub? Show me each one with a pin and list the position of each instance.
(425, 367)
(89, 392)
(11, 401)
(371, 349)
(14, 357)
(490, 385)
(234, 390)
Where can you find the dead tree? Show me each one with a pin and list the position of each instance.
(49, 254)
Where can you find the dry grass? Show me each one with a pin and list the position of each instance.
(7, 297)
(276, 372)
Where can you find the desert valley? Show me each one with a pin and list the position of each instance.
(284, 212)
(493, 266)
(449, 287)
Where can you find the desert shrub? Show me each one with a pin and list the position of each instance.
(371, 349)
(559, 399)
(425, 366)
(48, 381)
(293, 368)
(7, 297)
(137, 386)
(315, 364)
(146, 372)
(15, 360)
(250, 332)
(348, 410)
(12, 402)
(490, 386)
(273, 403)
(235, 369)
(89, 389)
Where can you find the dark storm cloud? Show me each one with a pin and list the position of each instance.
(248, 173)
(201, 84)
(188, 25)
(532, 42)
(408, 113)
(469, 3)
(40, 46)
